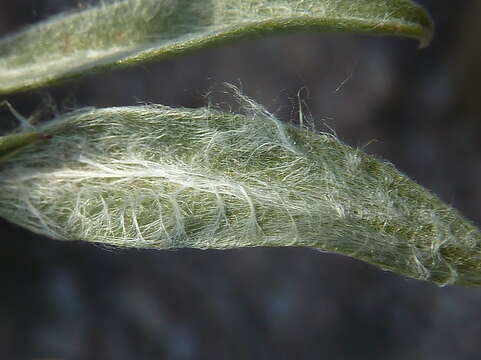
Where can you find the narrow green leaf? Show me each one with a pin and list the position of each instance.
(157, 177)
(127, 32)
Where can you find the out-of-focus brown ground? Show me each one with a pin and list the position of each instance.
(417, 108)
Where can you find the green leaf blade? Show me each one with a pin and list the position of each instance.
(128, 32)
(158, 177)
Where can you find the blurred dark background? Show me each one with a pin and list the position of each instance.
(420, 109)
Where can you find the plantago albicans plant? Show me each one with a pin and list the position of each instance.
(159, 177)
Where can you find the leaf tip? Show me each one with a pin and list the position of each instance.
(428, 29)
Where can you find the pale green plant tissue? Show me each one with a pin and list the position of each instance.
(159, 177)
(122, 33)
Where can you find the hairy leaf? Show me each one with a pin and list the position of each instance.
(121, 33)
(158, 177)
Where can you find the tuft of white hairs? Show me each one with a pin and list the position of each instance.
(157, 177)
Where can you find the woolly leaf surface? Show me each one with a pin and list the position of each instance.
(158, 177)
(122, 33)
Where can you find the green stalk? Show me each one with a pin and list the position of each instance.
(13, 143)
